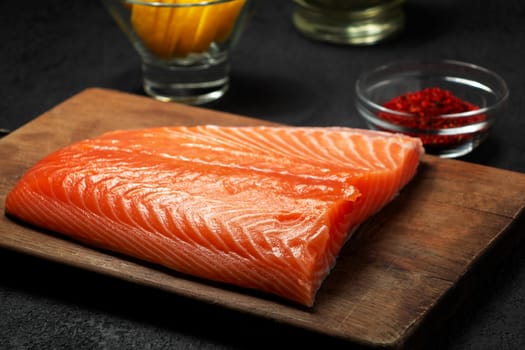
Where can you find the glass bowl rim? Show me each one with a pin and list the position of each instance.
(174, 5)
(453, 63)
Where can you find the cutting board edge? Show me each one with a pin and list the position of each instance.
(416, 336)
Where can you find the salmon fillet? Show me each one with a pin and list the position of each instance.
(264, 208)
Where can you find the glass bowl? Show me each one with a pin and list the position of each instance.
(445, 133)
(185, 46)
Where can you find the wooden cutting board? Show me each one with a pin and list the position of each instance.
(405, 271)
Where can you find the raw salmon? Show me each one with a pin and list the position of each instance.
(264, 208)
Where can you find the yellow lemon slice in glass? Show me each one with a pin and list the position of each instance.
(170, 32)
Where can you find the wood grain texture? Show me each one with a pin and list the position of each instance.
(402, 273)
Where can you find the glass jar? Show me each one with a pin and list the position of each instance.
(355, 22)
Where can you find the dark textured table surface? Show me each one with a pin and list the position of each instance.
(51, 50)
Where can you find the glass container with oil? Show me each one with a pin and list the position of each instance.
(354, 22)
